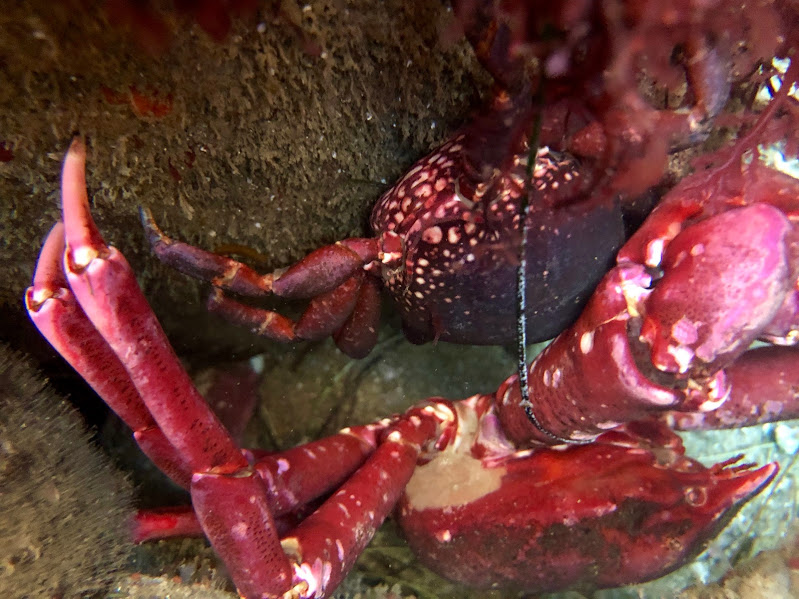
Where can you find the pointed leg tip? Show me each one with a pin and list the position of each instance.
(77, 148)
(154, 234)
(764, 476)
(743, 483)
(83, 239)
(48, 275)
(146, 217)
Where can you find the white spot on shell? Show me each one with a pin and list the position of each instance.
(432, 235)
(340, 550)
(587, 342)
(683, 356)
(239, 530)
(605, 426)
(684, 331)
(654, 252)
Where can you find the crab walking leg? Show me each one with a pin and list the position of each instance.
(106, 289)
(321, 271)
(181, 521)
(164, 523)
(294, 478)
(58, 316)
(351, 312)
(302, 474)
(324, 315)
(325, 546)
(104, 285)
(331, 277)
(763, 388)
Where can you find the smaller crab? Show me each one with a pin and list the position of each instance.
(445, 248)
(447, 236)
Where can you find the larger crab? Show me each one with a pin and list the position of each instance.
(596, 490)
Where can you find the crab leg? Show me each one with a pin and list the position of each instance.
(325, 546)
(319, 272)
(164, 523)
(58, 316)
(235, 493)
(332, 276)
(763, 388)
(294, 478)
(106, 289)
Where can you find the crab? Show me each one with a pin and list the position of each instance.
(443, 248)
(583, 483)
(596, 491)
(446, 236)
(482, 495)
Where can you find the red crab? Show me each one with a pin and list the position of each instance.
(479, 499)
(598, 492)
(444, 248)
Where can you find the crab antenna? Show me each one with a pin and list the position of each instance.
(521, 276)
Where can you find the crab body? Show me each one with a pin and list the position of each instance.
(454, 277)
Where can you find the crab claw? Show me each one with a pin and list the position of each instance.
(725, 279)
(628, 508)
(728, 245)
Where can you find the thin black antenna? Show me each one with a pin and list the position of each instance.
(521, 275)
